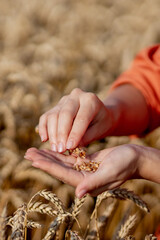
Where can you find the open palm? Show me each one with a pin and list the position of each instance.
(117, 165)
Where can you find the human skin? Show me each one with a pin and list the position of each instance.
(118, 165)
(82, 117)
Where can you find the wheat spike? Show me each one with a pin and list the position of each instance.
(123, 194)
(19, 219)
(102, 220)
(54, 226)
(150, 237)
(42, 208)
(73, 235)
(77, 205)
(125, 229)
(3, 223)
(53, 199)
(30, 224)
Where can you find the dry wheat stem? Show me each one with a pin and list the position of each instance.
(127, 226)
(3, 223)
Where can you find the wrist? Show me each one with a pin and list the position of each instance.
(114, 111)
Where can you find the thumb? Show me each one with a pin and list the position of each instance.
(93, 183)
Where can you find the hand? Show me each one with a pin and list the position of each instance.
(77, 119)
(117, 165)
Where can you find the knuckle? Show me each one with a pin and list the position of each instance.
(76, 91)
(42, 118)
(90, 97)
(65, 112)
(63, 99)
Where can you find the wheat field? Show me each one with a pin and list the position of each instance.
(48, 48)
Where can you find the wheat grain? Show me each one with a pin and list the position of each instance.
(127, 226)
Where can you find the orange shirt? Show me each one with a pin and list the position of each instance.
(144, 74)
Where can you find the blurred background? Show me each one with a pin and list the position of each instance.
(47, 48)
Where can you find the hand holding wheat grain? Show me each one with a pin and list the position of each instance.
(117, 165)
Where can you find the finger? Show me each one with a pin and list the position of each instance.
(47, 155)
(65, 121)
(63, 173)
(52, 128)
(85, 115)
(42, 128)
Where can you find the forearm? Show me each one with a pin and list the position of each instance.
(129, 110)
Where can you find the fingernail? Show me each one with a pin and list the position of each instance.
(81, 193)
(54, 147)
(60, 147)
(43, 139)
(35, 164)
(69, 144)
(27, 158)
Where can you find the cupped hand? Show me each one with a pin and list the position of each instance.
(77, 119)
(117, 165)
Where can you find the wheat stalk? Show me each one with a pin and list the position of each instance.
(127, 226)
(3, 223)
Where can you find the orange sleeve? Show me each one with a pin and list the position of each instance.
(144, 74)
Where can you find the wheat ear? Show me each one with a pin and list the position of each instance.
(30, 224)
(19, 219)
(127, 226)
(123, 193)
(54, 226)
(53, 199)
(78, 202)
(42, 208)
